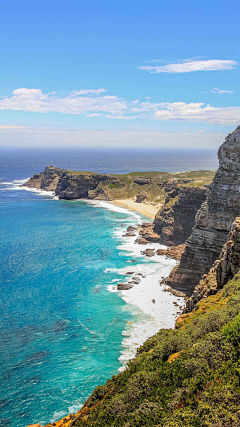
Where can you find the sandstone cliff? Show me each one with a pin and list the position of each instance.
(175, 220)
(223, 270)
(213, 220)
(72, 185)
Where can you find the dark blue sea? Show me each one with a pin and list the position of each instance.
(61, 329)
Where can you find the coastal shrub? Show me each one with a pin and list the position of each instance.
(111, 185)
(187, 377)
(97, 395)
(232, 332)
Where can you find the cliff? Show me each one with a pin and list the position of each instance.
(213, 220)
(71, 185)
(144, 186)
(223, 270)
(174, 221)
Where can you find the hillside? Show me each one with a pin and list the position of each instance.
(187, 377)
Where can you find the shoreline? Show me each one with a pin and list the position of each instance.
(147, 209)
(150, 305)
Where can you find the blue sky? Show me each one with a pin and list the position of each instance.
(78, 71)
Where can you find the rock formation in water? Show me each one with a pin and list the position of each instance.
(213, 220)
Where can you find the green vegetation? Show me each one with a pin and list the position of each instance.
(111, 185)
(186, 377)
(152, 183)
(129, 186)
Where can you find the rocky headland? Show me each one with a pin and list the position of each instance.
(179, 195)
(144, 187)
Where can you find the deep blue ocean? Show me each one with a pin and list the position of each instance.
(61, 329)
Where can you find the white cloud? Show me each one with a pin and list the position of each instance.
(94, 115)
(112, 107)
(136, 101)
(198, 112)
(35, 101)
(88, 91)
(146, 106)
(190, 66)
(220, 91)
(108, 116)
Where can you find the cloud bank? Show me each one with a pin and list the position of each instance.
(73, 103)
(93, 104)
(198, 113)
(191, 66)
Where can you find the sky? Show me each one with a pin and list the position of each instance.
(119, 73)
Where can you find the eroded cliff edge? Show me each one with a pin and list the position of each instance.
(150, 187)
(213, 220)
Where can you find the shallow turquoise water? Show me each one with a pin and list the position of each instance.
(61, 329)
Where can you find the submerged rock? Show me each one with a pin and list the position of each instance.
(148, 252)
(124, 286)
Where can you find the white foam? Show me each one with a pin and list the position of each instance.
(17, 184)
(115, 208)
(74, 408)
(151, 316)
(58, 415)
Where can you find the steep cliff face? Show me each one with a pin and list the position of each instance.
(70, 185)
(223, 270)
(46, 180)
(213, 220)
(175, 220)
(77, 186)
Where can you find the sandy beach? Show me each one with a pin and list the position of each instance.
(146, 209)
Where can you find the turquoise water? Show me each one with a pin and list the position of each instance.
(61, 330)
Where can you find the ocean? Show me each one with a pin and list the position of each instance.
(64, 326)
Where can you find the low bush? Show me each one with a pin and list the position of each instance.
(187, 377)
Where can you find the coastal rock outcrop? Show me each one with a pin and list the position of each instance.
(213, 220)
(176, 218)
(223, 270)
(173, 223)
(174, 252)
(71, 185)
